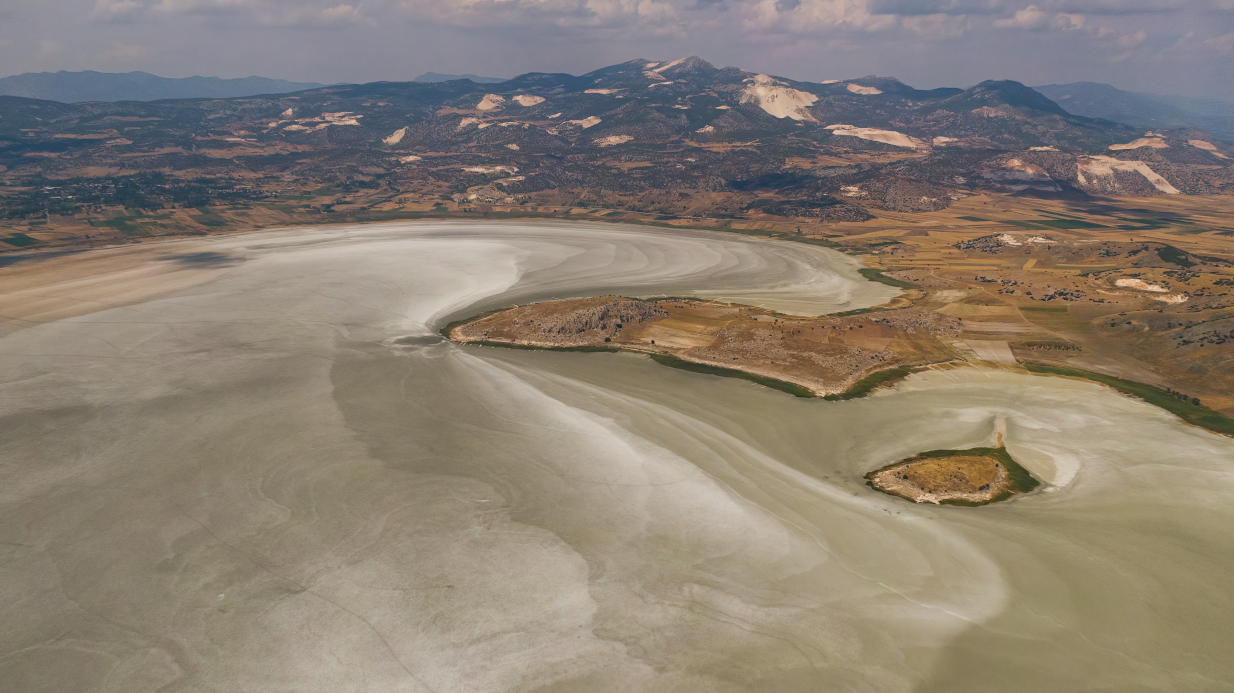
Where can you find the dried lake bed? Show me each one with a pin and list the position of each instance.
(247, 463)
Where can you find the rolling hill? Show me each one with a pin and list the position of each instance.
(433, 77)
(76, 87)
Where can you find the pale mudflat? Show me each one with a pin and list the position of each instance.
(269, 474)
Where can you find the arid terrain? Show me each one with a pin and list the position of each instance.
(1046, 237)
(825, 355)
(1140, 291)
(680, 142)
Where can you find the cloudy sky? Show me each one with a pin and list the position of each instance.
(1163, 46)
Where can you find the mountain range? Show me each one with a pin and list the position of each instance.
(1095, 100)
(76, 87)
(439, 77)
(676, 137)
(1088, 99)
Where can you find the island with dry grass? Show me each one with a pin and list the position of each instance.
(971, 477)
(974, 476)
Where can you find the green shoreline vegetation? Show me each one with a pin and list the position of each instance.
(536, 347)
(666, 360)
(1019, 479)
(876, 275)
(872, 382)
(781, 385)
(1194, 414)
(1187, 410)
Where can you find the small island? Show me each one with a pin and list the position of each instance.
(976, 476)
(973, 476)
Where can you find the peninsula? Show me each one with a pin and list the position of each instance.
(808, 356)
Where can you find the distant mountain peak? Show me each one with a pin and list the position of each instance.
(434, 77)
(889, 85)
(1097, 100)
(1006, 92)
(687, 66)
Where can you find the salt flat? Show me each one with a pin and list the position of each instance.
(254, 466)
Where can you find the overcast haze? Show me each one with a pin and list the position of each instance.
(1163, 46)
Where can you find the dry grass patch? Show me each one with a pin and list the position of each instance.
(977, 476)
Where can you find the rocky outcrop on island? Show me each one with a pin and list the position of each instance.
(604, 316)
(578, 322)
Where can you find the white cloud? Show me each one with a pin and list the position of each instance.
(289, 13)
(1033, 18)
(1118, 7)
(936, 26)
(1129, 42)
(1009, 8)
(202, 6)
(1132, 40)
(810, 17)
(340, 13)
(1030, 18)
(923, 18)
(561, 13)
(115, 10)
(1068, 22)
(909, 8)
(777, 16)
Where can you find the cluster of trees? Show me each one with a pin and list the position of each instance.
(1185, 398)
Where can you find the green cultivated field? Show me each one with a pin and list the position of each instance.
(876, 275)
